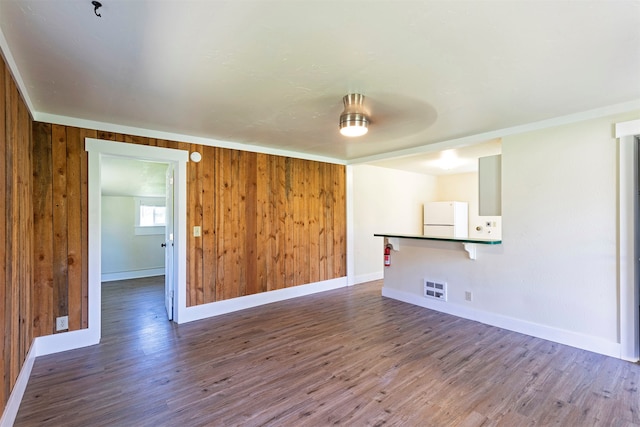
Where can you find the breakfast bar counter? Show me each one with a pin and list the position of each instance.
(468, 244)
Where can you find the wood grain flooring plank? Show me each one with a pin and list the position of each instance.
(345, 357)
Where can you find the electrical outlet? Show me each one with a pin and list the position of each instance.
(468, 296)
(62, 323)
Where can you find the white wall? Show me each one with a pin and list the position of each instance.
(125, 255)
(555, 275)
(464, 187)
(385, 201)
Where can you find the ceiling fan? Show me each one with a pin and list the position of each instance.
(387, 115)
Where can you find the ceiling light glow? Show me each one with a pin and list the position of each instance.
(449, 160)
(353, 120)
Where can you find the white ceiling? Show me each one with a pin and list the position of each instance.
(129, 177)
(273, 73)
(446, 162)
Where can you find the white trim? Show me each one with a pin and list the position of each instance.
(627, 262)
(427, 148)
(13, 68)
(204, 311)
(584, 342)
(172, 136)
(133, 274)
(630, 128)
(50, 344)
(501, 133)
(98, 149)
(15, 398)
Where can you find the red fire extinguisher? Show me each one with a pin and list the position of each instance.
(387, 256)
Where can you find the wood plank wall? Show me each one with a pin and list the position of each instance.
(16, 259)
(268, 222)
(60, 221)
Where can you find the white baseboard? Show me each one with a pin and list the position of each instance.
(15, 398)
(134, 274)
(561, 336)
(57, 343)
(235, 304)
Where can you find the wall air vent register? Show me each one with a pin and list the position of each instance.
(435, 290)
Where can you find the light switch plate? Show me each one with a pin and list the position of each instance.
(196, 231)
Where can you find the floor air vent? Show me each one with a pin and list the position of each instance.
(435, 290)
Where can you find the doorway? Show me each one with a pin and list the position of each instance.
(99, 150)
(136, 207)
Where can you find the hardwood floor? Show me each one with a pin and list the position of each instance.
(346, 357)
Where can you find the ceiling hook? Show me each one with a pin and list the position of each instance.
(97, 5)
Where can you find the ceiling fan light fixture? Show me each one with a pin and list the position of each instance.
(353, 120)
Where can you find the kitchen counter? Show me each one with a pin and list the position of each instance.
(469, 244)
(446, 239)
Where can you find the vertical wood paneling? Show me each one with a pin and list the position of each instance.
(209, 246)
(16, 232)
(289, 224)
(60, 218)
(5, 309)
(339, 222)
(11, 325)
(241, 185)
(306, 204)
(42, 322)
(329, 203)
(235, 234)
(263, 230)
(220, 210)
(249, 211)
(110, 136)
(140, 140)
(298, 227)
(194, 215)
(322, 221)
(25, 225)
(267, 222)
(313, 209)
(278, 213)
(75, 148)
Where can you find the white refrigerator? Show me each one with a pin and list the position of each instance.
(446, 219)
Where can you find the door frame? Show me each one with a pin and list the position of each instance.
(97, 149)
(169, 234)
(628, 235)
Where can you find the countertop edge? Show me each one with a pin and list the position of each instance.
(443, 239)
